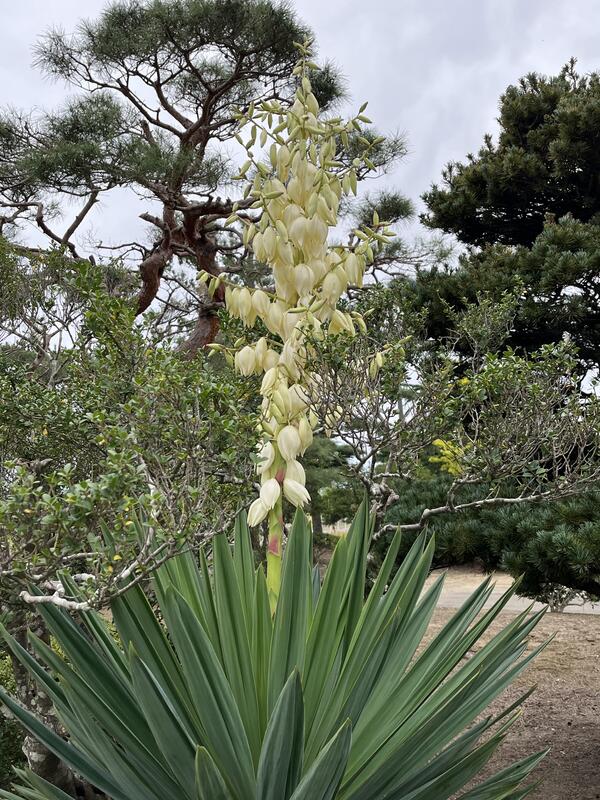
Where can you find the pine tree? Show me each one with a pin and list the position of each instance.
(527, 209)
(546, 163)
(158, 84)
(554, 547)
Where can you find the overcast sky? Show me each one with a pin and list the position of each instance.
(433, 69)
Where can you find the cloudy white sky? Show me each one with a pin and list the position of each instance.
(433, 69)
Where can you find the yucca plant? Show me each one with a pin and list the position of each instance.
(212, 698)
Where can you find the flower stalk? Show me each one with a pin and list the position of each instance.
(298, 191)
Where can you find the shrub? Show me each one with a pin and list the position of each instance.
(11, 737)
(329, 698)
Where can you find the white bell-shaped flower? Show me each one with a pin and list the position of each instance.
(257, 512)
(295, 492)
(289, 442)
(270, 492)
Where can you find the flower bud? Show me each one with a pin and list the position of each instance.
(351, 268)
(337, 323)
(305, 434)
(289, 443)
(266, 456)
(245, 361)
(258, 247)
(285, 254)
(270, 492)
(283, 156)
(270, 243)
(281, 398)
(296, 231)
(331, 288)
(295, 471)
(324, 212)
(318, 268)
(245, 303)
(360, 322)
(303, 279)
(274, 185)
(274, 318)
(340, 273)
(269, 380)
(289, 323)
(288, 360)
(291, 213)
(298, 398)
(270, 360)
(257, 512)
(260, 302)
(312, 104)
(269, 426)
(232, 301)
(260, 350)
(295, 191)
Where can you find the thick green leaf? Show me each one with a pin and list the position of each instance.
(281, 757)
(316, 585)
(503, 785)
(96, 625)
(209, 781)
(243, 560)
(365, 659)
(50, 686)
(323, 779)
(91, 664)
(291, 616)
(41, 786)
(358, 538)
(72, 757)
(235, 643)
(166, 724)
(137, 625)
(262, 631)
(224, 733)
(326, 631)
(87, 705)
(138, 779)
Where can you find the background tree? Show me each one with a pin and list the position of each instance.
(335, 493)
(107, 430)
(158, 86)
(546, 162)
(115, 453)
(507, 431)
(554, 547)
(526, 207)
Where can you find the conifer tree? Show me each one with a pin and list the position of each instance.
(156, 87)
(527, 208)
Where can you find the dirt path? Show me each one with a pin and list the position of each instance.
(461, 581)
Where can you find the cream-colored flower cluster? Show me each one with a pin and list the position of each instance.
(299, 192)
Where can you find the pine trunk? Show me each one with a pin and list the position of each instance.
(317, 523)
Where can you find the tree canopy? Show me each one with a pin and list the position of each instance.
(526, 207)
(158, 89)
(545, 164)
